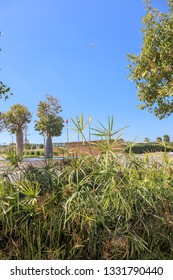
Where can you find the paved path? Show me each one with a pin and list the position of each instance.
(39, 163)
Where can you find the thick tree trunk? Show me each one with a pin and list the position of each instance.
(19, 142)
(48, 150)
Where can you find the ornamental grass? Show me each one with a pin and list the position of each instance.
(115, 206)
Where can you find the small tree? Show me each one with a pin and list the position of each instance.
(159, 139)
(15, 121)
(41, 146)
(146, 140)
(49, 123)
(33, 146)
(166, 138)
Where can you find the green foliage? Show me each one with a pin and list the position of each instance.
(159, 139)
(89, 209)
(12, 157)
(28, 146)
(49, 122)
(149, 147)
(103, 132)
(116, 206)
(166, 138)
(107, 133)
(152, 69)
(41, 146)
(29, 191)
(146, 140)
(4, 90)
(33, 146)
(109, 137)
(34, 152)
(16, 118)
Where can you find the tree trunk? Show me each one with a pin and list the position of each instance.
(19, 142)
(48, 150)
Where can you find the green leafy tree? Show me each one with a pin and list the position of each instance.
(159, 139)
(152, 69)
(15, 121)
(41, 146)
(4, 90)
(146, 140)
(50, 124)
(33, 146)
(166, 138)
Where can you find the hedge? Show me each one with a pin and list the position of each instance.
(148, 147)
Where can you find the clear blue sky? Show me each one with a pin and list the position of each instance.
(46, 50)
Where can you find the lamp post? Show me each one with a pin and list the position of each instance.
(67, 131)
(78, 131)
(89, 119)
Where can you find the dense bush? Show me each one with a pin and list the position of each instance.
(111, 207)
(33, 146)
(41, 146)
(36, 153)
(148, 147)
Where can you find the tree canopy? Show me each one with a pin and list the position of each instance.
(49, 122)
(152, 69)
(166, 138)
(16, 118)
(4, 90)
(15, 121)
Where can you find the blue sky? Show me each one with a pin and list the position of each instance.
(46, 50)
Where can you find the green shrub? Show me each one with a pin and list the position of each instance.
(92, 209)
(41, 146)
(148, 147)
(33, 147)
(27, 146)
(115, 206)
(37, 153)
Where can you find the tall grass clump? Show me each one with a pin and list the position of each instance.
(114, 206)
